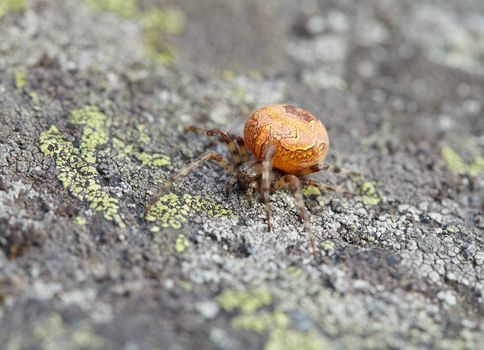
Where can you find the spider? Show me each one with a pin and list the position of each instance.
(286, 142)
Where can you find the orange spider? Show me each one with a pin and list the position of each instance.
(287, 143)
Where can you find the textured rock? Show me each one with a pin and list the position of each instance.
(94, 97)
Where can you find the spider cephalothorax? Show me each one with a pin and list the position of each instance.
(286, 143)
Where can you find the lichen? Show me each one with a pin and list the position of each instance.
(123, 8)
(7, 6)
(254, 317)
(287, 339)
(153, 160)
(369, 195)
(311, 191)
(76, 163)
(248, 301)
(458, 165)
(51, 332)
(181, 244)
(79, 220)
(20, 79)
(173, 210)
(156, 22)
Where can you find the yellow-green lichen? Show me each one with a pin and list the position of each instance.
(7, 6)
(369, 195)
(253, 317)
(311, 191)
(79, 220)
(181, 244)
(173, 210)
(328, 245)
(123, 8)
(153, 160)
(75, 163)
(156, 22)
(20, 79)
(287, 339)
(261, 322)
(459, 166)
(248, 301)
(53, 333)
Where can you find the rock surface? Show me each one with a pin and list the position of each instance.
(94, 97)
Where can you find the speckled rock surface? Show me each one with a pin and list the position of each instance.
(94, 97)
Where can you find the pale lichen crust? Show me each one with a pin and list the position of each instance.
(172, 210)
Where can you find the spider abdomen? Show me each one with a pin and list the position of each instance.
(300, 140)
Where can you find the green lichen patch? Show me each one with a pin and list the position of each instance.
(75, 163)
(7, 6)
(287, 339)
(123, 8)
(79, 220)
(173, 210)
(53, 333)
(156, 22)
(459, 166)
(248, 301)
(311, 191)
(153, 160)
(253, 317)
(20, 79)
(181, 244)
(368, 192)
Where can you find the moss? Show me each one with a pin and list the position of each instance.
(8, 6)
(75, 163)
(287, 339)
(173, 210)
(369, 195)
(181, 244)
(20, 79)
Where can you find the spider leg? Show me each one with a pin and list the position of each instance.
(324, 187)
(250, 191)
(268, 155)
(234, 143)
(295, 185)
(330, 168)
(219, 159)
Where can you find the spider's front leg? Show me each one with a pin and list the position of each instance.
(295, 184)
(219, 159)
(268, 155)
(329, 168)
(235, 144)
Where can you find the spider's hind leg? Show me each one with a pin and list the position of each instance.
(219, 159)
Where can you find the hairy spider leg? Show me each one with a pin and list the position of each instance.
(330, 168)
(324, 187)
(235, 144)
(251, 188)
(295, 184)
(268, 155)
(218, 158)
